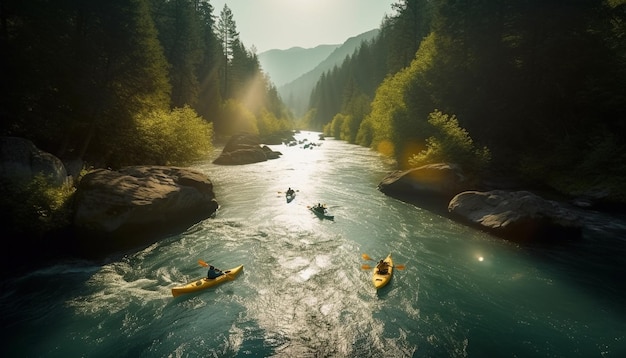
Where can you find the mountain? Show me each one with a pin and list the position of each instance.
(296, 93)
(284, 66)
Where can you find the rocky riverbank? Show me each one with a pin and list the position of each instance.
(116, 210)
(516, 213)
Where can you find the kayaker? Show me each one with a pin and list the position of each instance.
(289, 191)
(214, 273)
(382, 267)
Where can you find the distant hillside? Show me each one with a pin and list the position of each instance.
(296, 93)
(284, 66)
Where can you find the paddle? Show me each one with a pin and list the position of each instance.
(309, 206)
(204, 264)
(368, 267)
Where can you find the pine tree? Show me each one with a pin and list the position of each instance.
(209, 96)
(228, 36)
(179, 28)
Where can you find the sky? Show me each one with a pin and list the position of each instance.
(283, 24)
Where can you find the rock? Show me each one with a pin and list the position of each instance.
(278, 138)
(516, 215)
(595, 198)
(245, 149)
(241, 156)
(270, 154)
(21, 161)
(74, 168)
(430, 186)
(117, 210)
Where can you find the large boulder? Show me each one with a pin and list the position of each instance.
(431, 186)
(21, 161)
(245, 148)
(116, 210)
(517, 215)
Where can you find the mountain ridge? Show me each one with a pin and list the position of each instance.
(295, 94)
(283, 66)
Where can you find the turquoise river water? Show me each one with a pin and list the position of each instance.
(303, 291)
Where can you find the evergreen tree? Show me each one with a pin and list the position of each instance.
(132, 78)
(208, 70)
(81, 71)
(405, 31)
(226, 30)
(179, 28)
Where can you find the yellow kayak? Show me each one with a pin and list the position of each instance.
(204, 283)
(381, 280)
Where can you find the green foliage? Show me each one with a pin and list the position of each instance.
(404, 31)
(226, 30)
(356, 107)
(334, 128)
(35, 207)
(388, 104)
(348, 128)
(532, 80)
(307, 120)
(365, 135)
(574, 169)
(343, 126)
(235, 118)
(401, 101)
(179, 137)
(451, 144)
(180, 34)
(268, 123)
(78, 77)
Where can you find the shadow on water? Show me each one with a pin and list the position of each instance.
(589, 260)
(594, 263)
(383, 292)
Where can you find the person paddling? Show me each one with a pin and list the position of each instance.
(214, 273)
(320, 209)
(382, 267)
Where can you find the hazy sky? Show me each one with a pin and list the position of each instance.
(282, 24)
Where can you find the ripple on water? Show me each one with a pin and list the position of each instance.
(303, 292)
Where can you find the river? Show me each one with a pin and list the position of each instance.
(303, 291)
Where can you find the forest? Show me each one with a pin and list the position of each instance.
(107, 84)
(529, 89)
(126, 82)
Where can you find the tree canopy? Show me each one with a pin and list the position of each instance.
(100, 80)
(538, 84)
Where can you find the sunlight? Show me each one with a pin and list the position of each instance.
(411, 149)
(254, 93)
(386, 148)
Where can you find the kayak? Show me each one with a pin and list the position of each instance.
(290, 197)
(322, 214)
(381, 280)
(204, 283)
